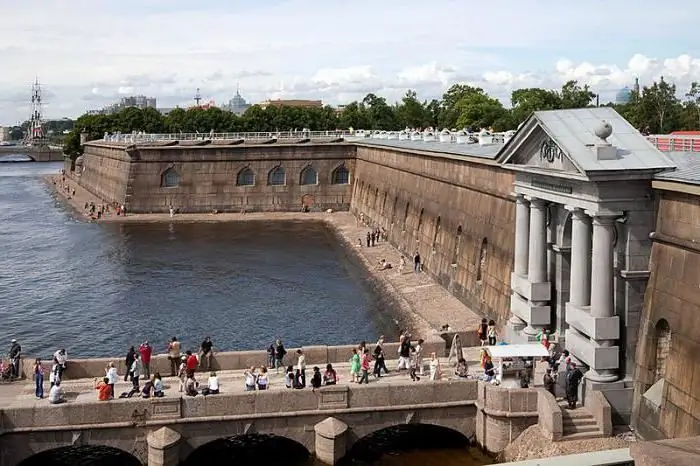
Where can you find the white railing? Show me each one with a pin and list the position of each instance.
(443, 137)
(134, 138)
(675, 143)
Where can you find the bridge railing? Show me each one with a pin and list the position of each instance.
(675, 143)
(211, 136)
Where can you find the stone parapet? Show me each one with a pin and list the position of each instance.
(598, 406)
(676, 452)
(503, 414)
(232, 360)
(550, 417)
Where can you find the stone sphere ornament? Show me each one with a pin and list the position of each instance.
(604, 130)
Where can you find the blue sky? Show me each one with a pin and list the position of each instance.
(89, 53)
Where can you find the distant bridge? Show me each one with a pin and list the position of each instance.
(36, 154)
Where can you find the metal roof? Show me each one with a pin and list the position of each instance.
(688, 170)
(466, 150)
(574, 131)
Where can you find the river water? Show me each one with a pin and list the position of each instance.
(96, 289)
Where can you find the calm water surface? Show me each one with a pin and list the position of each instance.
(95, 289)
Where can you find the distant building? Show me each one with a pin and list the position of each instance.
(4, 133)
(292, 103)
(138, 101)
(623, 96)
(238, 105)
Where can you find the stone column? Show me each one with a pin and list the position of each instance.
(330, 443)
(602, 289)
(163, 447)
(602, 267)
(580, 282)
(537, 251)
(522, 235)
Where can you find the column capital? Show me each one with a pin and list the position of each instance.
(536, 201)
(520, 198)
(606, 218)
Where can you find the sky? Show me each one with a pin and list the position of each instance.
(89, 53)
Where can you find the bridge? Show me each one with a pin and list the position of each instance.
(328, 422)
(36, 154)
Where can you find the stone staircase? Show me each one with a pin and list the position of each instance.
(579, 424)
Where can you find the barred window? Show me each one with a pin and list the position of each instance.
(277, 177)
(170, 179)
(308, 176)
(245, 177)
(341, 175)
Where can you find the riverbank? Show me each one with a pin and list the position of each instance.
(422, 305)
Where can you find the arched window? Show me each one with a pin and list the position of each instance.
(308, 176)
(245, 177)
(277, 177)
(340, 175)
(455, 249)
(437, 232)
(170, 178)
(662, 338)
(481, 265)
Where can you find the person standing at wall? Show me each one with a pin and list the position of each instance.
(573, 379)
(39, 379)
(205, 353)
(174, 356)
(15, 355)
(129, 362)
(146, 351)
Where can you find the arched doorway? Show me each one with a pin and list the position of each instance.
(82, 455)
(249, 449)
(412, 444)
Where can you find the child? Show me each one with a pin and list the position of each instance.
(289, 377)
(355, 366)
(491, 332)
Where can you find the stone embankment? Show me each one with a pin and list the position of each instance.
(422, 305)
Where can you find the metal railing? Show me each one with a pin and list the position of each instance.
(675, 143)
(134, 138)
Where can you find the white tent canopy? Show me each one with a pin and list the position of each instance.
(532, 350)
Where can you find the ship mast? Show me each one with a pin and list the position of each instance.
(35, 131)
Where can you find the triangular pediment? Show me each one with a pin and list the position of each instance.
(532, 148)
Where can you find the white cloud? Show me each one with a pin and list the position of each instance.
(88, 53)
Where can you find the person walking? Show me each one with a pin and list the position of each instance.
(279, 354)
(366, 358)
(417, 267)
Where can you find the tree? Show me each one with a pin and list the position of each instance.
(574, 96)
(355, 116)
(659, 100)
(381, 116)
(477, 110)
(526, 101)
(449, 112)
(411, 112)
(693, 102)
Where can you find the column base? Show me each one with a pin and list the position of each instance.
(602, 376)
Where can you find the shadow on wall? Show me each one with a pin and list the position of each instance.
(83, 455)
(250, 449)
(402, 438)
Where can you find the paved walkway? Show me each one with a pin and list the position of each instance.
(21, 393)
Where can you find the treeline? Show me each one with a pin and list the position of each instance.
(655, 108)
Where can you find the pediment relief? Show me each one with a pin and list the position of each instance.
(539, 151)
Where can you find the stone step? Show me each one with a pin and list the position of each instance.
(575, 429)
(582, 435)
(579, 422)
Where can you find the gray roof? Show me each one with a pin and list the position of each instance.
(688, 170)
(451, 148)
(574, 131)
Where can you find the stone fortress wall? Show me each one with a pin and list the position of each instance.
(457, 212)
(279, 177)
(667, 381)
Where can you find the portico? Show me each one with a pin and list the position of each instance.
(583, 215)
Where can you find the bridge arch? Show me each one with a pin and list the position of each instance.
(82, 455)
(248, 449)
(403, 438)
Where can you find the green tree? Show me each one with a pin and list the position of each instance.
(355, 116)
(381, 115)
(692, 105)
(659, 106)
(478, 110)
(574, 96)
(527, 101)
(449, 112)
(411, 112)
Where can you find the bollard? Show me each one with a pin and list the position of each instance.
(330, 440)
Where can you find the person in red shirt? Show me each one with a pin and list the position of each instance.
(104, 390)
(191, 363)
(146, 351)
